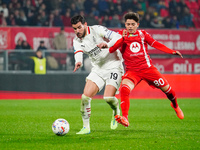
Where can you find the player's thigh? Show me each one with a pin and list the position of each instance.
(154, 78)
(90, 89)
(113, 78)
(97, 80)
(131, 79)
(129, 83)
(109, 91)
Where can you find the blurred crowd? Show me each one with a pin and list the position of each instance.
(173, 14)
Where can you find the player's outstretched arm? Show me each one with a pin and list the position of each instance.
(116, 45)
(77, 66)
(165, 49)
(178, 53)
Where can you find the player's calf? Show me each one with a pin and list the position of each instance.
(125, 102)
(114, 104)
(86, 107)
(171, 95)
(86, 112)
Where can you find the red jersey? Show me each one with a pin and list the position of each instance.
(134, 50)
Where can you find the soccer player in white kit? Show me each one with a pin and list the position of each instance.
(107, 68)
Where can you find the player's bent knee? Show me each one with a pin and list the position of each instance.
(165, 88)
(110, 99)
(113, 101)
(114, 104)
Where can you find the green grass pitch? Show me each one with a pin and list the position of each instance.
(26, 124)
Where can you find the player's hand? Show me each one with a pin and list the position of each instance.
(105, 39)
(102, 45)
(77, 66)
(124, 33)
(178, 53)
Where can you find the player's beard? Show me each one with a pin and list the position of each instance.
(83, 35)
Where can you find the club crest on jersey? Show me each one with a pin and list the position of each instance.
(132, 35)
(135, 47)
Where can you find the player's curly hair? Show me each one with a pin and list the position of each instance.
(77, 18)
(132, 15)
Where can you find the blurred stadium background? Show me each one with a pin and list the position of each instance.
(175, 23)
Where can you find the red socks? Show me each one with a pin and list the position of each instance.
(125, 102)
(171, 96)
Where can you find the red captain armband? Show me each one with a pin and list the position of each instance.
(116, 45)
(162, 47)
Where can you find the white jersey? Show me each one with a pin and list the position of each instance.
(100, 58)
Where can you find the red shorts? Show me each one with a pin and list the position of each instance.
(151, 75)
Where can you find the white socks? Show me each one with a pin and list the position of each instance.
(114, 104)
(86, 110)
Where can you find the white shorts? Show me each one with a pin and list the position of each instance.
(106, 77)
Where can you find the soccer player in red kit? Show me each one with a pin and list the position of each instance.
(133, 46)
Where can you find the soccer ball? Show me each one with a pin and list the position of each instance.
(60, 127)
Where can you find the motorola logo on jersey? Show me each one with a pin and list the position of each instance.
(135, 47)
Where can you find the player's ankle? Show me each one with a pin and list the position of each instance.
(175, 104)
(126, 116)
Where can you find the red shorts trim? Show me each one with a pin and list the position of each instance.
(151, 75)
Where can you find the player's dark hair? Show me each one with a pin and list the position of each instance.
(77, 18)
(132, 15)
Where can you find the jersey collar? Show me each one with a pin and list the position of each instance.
(88, 30)
(132, 34)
